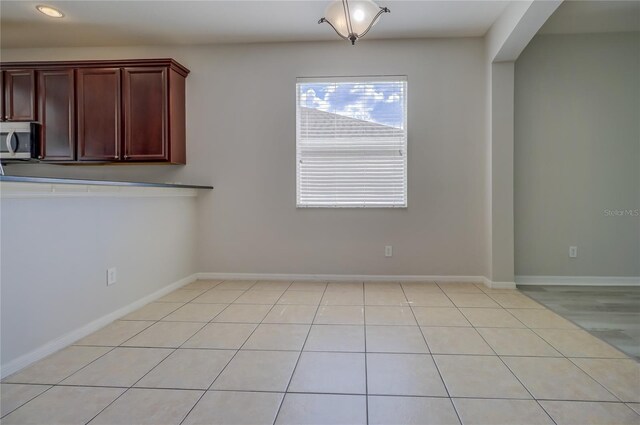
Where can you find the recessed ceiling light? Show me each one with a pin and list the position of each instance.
(50, 11)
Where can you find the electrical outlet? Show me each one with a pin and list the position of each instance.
(573, 251)
(112, 276)
(388, 251)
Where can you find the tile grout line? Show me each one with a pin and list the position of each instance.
(458, 308)
(446, 294)
(275, 418)
(562, 355)
(59, 383)
(345, 324)
(126, 389)
(247, 289)
(359, 394)
(366, 370)
(312, 323)
(504, 363)
(231, 358)
(455, 409)
(234, 355)
(332, 351)
(37, 395)
(595, 380)
(507, 366)
(514, 375)
(575, 323)
(160, 362)
(577, 356)
(119, 346)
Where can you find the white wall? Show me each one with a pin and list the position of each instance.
(577, 154)
(515, 28)
(502, 260)
(504, 42)
(241, 138)
(55, 253)
(502, 29)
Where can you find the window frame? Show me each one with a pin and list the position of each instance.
(364, 79)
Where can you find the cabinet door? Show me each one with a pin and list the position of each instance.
(19, 95)
(98, 111)
(2, 114)
(56, 111)
(145, 114)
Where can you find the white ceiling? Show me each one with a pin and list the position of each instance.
(576, 17)
(117, 23)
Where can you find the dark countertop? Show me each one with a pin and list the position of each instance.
(55, 180)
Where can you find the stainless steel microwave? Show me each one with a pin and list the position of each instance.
(19, 140)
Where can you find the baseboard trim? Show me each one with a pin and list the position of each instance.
(77, 334)
(578, 280)
(348, 277)
(499, 285)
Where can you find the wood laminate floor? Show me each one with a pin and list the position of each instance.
(611, 313)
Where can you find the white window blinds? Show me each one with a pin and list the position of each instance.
(351, 142)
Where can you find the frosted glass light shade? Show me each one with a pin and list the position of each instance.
(49, 11)
(352, 19)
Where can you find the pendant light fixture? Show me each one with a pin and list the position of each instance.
(51, 12)
(352, 20)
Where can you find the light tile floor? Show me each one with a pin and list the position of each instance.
(244, 352)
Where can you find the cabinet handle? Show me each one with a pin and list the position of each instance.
(10, 149)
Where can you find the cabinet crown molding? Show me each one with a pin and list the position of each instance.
(119, 63)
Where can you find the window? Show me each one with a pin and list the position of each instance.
(351, 142)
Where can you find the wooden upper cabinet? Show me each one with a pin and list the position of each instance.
(130, 110)
(2, 96)
(98, 113)
(56, 109)
(146, 114)
(19, 95)
(177, 117)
